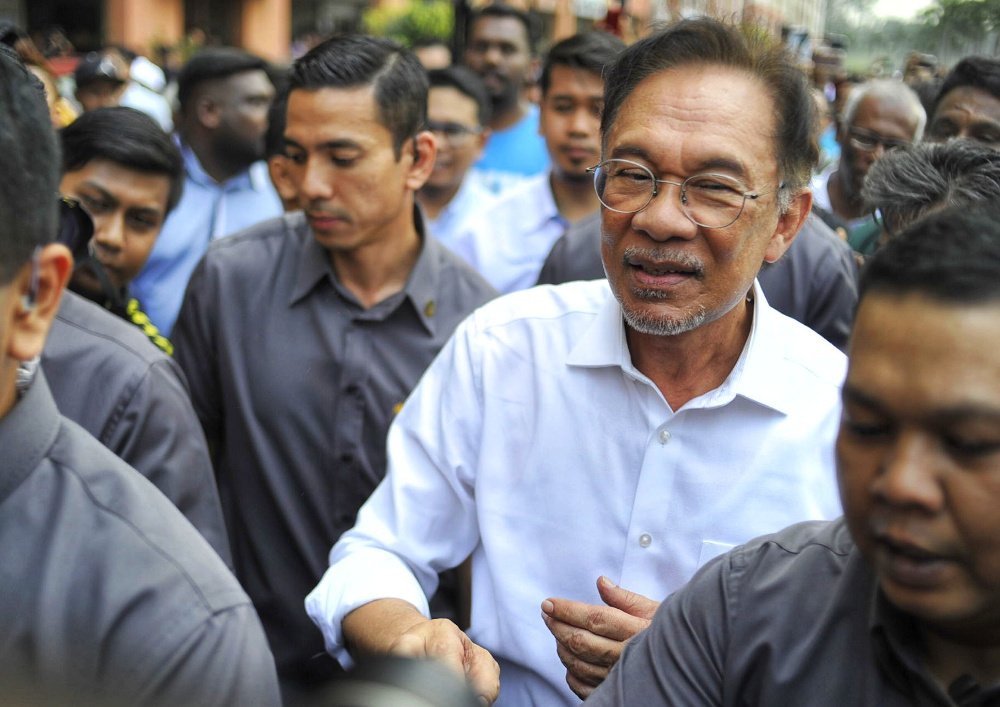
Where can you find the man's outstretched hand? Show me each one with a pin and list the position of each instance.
(590, 638)
(394, 626)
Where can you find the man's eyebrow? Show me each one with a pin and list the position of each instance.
(944, 415)
(105, 194)
(713, 163)
(328, 145)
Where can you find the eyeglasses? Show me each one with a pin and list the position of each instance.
(708, 200)
(453, 133)
(868, 141)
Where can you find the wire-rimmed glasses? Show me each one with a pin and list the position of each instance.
(708, 200)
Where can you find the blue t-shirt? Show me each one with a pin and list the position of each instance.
(514, 153)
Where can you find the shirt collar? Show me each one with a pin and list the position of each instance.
(27, 432)
(544, 207)
(421, 287)
(756, 376)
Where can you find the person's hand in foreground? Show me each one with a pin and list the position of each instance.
(397, 627)
(590, 638)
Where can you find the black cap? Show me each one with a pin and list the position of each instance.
(100, 67)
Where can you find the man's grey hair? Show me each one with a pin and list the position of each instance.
(889, 89)
(909, 182)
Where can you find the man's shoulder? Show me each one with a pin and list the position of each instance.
(803, 348)
(456, 279)
(545, 305)
(801, 543)
(260, 249)
(81, 327)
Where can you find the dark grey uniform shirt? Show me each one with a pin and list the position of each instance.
(794, 618)
(107, 376)
(295, 384)
(107, 594)
(815, 282)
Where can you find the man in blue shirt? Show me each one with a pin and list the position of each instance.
(501, 50)
(224, 97)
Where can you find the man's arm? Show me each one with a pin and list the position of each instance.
(419, 521)
(159, 434)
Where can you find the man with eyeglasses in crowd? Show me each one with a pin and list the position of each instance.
(624, 431)
(457, 113)
(880, 115)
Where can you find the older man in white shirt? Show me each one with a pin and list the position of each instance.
(629, 429)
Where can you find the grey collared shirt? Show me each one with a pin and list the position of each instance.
(110, 379)
(107, 595)
(295, 384)
(794, 618)
(815, 282)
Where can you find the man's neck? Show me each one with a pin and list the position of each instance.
(434, 199)
(575, 198)
(844, 204)
(508, 114)
(687, 365)
(380, 269)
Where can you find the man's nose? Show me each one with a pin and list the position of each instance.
(907, 477)
(664, 217)
(109, 234)
(316, 180)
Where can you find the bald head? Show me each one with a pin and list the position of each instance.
(879, 116)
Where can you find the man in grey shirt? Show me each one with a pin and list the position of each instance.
(107, 377)
(302, 336)
(107, 594)
(898, 602)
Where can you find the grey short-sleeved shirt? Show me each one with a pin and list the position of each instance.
(815, 282)
(107, 594)
(794, 618)
(107, 376)
(295, 384)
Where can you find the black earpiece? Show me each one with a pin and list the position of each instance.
(28, 300)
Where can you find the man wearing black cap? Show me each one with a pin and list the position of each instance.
(100, 80)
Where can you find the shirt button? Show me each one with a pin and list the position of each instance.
(664, 436)
(645, 540)
(352, 389)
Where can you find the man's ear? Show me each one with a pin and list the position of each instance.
(38, 288)
(207, 112)
(789, 224)
(424, 149)
(277, 167)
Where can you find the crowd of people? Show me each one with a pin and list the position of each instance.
(671, 378)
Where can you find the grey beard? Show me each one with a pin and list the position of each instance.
(662, 326)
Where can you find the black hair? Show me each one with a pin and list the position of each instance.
(277, 117)
(349, 61)
(951, 256)
(29, 180)
(466, 82)
(980, 72)
(126, 137)
(705, 41)
(532, 31)
(212, 64)
(592, 51)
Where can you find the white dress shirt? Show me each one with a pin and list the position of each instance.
(508, 242)
(533, 443)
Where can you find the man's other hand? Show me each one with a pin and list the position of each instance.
(590, 638)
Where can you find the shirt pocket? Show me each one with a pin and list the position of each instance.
(711, 549)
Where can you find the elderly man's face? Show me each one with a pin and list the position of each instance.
(919, 455)
(967, 112)
(669, 274)
(880, 123)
